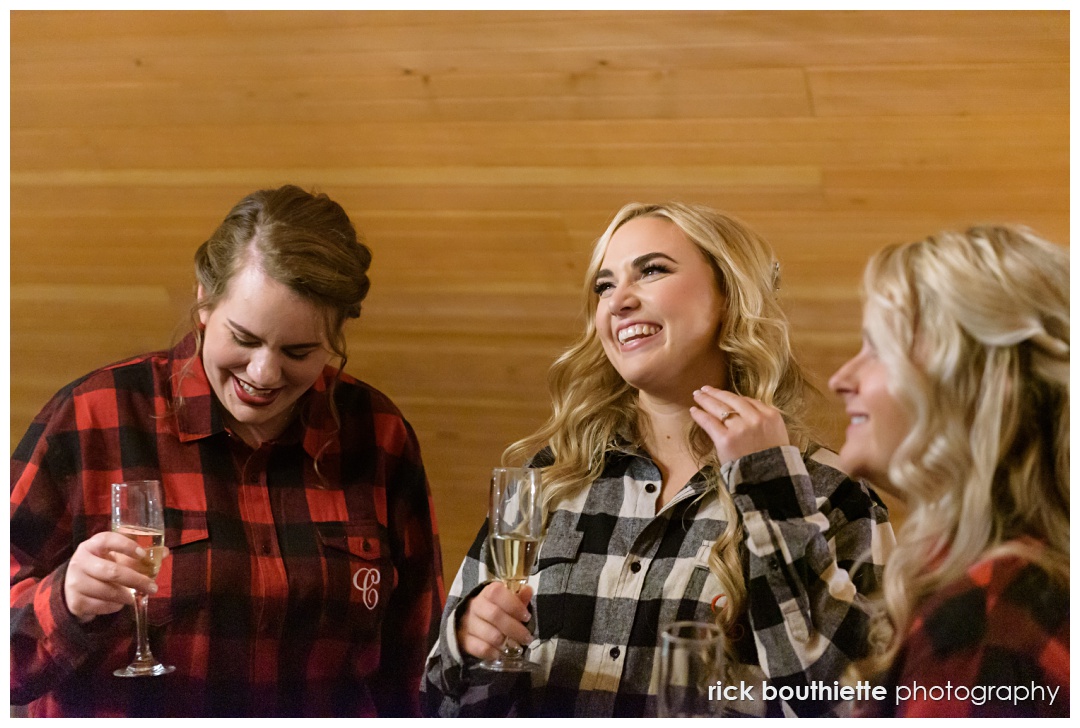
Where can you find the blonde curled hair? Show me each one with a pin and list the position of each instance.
(594, 409)
(973, 328)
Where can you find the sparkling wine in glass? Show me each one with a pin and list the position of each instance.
(515, 528)
(138, 513)
(691, 660)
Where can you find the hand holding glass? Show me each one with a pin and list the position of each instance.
(691, 658)
(138, 513)
(515, 527)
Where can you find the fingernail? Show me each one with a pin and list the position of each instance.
(153, 588)
(140, 552)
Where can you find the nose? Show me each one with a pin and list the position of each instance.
(622, 299)
(843, 380)
(264, 368)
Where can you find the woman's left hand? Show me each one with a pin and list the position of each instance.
(738, 425)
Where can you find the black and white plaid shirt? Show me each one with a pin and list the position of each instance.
(612, 572)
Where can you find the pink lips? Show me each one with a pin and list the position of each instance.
(250, 399)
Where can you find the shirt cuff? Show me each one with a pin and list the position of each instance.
(452, 647)
(71, 641)
(774, 480)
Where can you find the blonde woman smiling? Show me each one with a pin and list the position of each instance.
(959, 400)
(680, 483)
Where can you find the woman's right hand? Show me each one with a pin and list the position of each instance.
(493, 616)
(100, 574)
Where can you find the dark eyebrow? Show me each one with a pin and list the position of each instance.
(639, 262)
(241, 330)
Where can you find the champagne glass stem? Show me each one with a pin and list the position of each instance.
(512, 650)
(144, 664)
(142, 650)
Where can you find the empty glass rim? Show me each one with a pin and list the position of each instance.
(699, 631)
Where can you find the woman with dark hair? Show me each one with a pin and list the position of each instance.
(304, 572)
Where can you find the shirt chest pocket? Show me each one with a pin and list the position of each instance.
(692, 580)
(359, 574)
(184, 579)
(558, 555)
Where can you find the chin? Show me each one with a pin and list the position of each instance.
(876, 476)
(856, 466)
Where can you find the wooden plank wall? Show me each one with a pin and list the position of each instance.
(482, 153)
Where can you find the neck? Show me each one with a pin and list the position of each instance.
(665, 426)
(256, 435)
(253, 437)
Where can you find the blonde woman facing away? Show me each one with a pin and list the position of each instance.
(959, 401)
(681, 482)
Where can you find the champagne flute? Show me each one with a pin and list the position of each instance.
(515, 527)
(137, 512)
(691, 659)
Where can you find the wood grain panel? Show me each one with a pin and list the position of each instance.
(941, 91)
(406, 97)
(154, 197)
(998, 194)
(1023, 141)
(521, 42)
(482, 153)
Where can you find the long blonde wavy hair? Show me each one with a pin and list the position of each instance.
(594, 409)
(973, 328)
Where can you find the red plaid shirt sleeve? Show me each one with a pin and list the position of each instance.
(994, 644)
(47, 642)
(304, 576)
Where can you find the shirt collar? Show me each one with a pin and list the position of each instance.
(200, 414)
(625, 457)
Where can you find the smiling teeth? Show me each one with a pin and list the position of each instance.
(858, 419)
(636, 330)
(252, 391)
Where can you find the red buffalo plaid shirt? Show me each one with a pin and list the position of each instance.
(993, 644)
(289, 590)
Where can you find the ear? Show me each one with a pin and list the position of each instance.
(204, 314)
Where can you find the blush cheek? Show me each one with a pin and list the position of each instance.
(303, 375)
